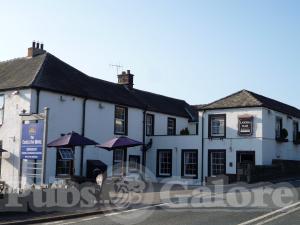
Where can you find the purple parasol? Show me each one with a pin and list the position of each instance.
(71, 140)
(119, 142)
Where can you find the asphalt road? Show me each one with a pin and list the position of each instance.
(165, 214)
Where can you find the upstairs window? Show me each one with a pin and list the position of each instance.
(171, 126)
(295, 131)
(278, 127)
(1, 109)
(149, 124)
(120, 120)
(217, 126)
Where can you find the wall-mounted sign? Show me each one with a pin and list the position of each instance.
(245, 126)
(32, 141)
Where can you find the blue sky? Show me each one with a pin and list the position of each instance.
(194, 50)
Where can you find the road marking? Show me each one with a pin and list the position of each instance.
(270, 214)
(68, 223)
(91, 218)
(278, 216)
(56, 222)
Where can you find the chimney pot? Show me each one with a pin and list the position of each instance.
(126, 79)
(33, 44)
(36, 49)
(128, 71)
(38, 45)
(42, 46)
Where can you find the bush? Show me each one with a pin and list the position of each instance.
(185, 131)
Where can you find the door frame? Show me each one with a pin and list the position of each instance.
(209, 160)
(237, 158)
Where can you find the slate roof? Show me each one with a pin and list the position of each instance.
(47, 72)
(245, 98)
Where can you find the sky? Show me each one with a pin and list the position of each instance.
(194, 50)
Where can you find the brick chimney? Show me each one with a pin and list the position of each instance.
(126, 78)
(36, 49)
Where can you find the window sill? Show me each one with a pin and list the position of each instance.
(190, 177)
(282, 140)
(217, 137)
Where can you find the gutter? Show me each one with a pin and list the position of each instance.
(202, 152)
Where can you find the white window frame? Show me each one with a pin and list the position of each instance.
(164, 164)
(120, 122)
(149, 124)
(186, 156)
(217, 126)
(118, 163)
(171, 127)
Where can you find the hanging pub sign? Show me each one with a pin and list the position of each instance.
(32, 141)
(245, 125)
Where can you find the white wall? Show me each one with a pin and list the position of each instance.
(10, 133)
(233, 142)
(273, 149)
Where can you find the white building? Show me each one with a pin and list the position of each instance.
(237, 129)
(96, 109)
(244, 128)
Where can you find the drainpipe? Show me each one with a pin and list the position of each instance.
(202, 152)
(144, 139)
(83, 134)
(36, 111)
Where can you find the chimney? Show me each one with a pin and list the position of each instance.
(36, 49)
(126, 78)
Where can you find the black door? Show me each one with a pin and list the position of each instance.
(245, 160)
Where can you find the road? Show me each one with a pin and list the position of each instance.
(187, 214)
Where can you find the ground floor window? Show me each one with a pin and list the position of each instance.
(189, 163)
(118, 162)
(164, 163)
(134, 163)
(65, 162)
(0, 157)
(217, 162)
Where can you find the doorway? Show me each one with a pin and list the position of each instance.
(245, 160)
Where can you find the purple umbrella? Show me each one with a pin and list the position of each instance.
(119, 142)
(71, 140)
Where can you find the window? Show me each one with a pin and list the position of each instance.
(189, 164)
(1, 109)
(171, 126)
(217, 126)
(149, 124)
(118, 162)
(295, 130)
(217, 162)
(120, 120)
(65, 162)
(164, 163)
(134, 163)
(278, 127)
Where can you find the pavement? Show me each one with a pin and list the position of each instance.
(185, 206)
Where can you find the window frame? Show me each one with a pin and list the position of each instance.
(295, 131)
(183, 175)
(153, 124)
(1, 147)
(210, 119)
(278, 119)
(125, 120)
(122, 162)
(174, 127)
(210, 158)
(159, 151)
(2, 110)
(138, 161)
(59, 159)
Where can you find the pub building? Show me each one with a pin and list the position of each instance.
(43, 99)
